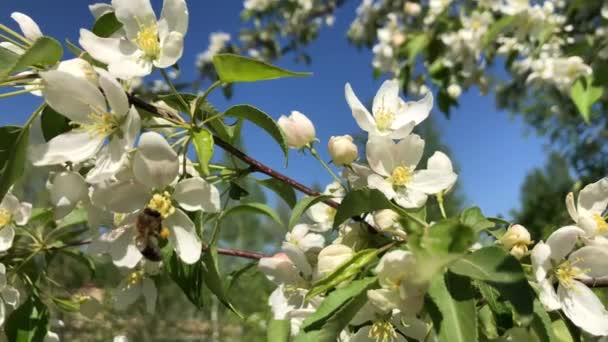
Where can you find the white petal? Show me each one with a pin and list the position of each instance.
(584, 309)
(410, 198)
(380, 155)
(175, 16)
(71, 96)
(409, 151)
(106, 50)
(2, 276)
(116, 96)
(196, 194)
(279, 304)
(121, 197)
(400, 131)
(432, 181)
(12, 48)
(377, 182)
(7, 234)
(298, 258)
(67, 190)
(10, 203)
(548, 296)
(385, 300)
(312, 242)
(2, 312)
(279, 269)
(594, 197)
(10, 296)
(571, 207)
(51, 337)
(155, 163)
(360, 113)
(126, 296)
(541, 261)
(439, 161)
(99, 9)
(130, 66)
(562, 241)
(27, 25)
(593, 260)
(171, 49)
(418, 111)
(134, 14)
(150, 294)
(387, 98)
(23, 213)
(75, 146)
(124, 251)
(183, 237)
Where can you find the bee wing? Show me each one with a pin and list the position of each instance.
(114, 234)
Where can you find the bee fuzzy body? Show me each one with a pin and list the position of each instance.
(149, 226)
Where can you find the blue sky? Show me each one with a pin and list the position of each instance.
(491, 148)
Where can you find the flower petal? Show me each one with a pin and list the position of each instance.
(432, 181)
(183, 237)
(408, 151)
(360, 113)
(410, 198)
(130, 66)
(584, 309)
(67, 190)
(75, 146)
(171, 50)
(71, 96)
(380, 155)
(418, 111)
(134, 14)
(592, 259)
(126, 296)
(298, 258)
(548, 296)
(23, 213)
(155, 164)
(387, 98)
(123, 249)
(541, 261)
(27, 25)
(562, 241)
(150, 294)
(571, 207)
(99, 9)
(594, 197)
(106, 50)
(174, 17)
(7, 234)
(377, 182)
(121, 197)
(195, 194)
(10, 295)
(116, 96)
(399, 132)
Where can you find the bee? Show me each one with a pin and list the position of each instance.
(149, 226)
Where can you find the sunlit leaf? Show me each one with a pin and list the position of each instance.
(235, 68)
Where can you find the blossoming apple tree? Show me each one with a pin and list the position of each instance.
(358, 262)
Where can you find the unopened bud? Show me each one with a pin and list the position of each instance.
(454, 91)
(298, 129)
(331, 257)
(342, 150)
(412, 8)
(516, 239)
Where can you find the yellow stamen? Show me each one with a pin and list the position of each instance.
(401, 176)
(147, 40)
(5, 218)
(602, 225)
(566, 272)
(382, 331)
(164, 233)
(135, 277)
(101, 123)
(118, 218)
(384, 120)
(162, 204)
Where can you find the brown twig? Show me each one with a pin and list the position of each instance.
(597, 282)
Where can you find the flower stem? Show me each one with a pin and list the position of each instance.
(212, 87)
(18, 92)
(315, 154)
(440, 202)
(176, 93)
(14, 34)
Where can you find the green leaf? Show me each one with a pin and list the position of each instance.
(260, 119)
(13, 150)
(235, 68)
(584, 94)
(541, 324)
(286, 192)
(82, 258)
(106, 25)
(453, 313)
(44, 52)
(29, 322)
(8, 59)
(361, 201)
(416, 45)
(254, 207)
(496, 28)
(203, 144)
(301, 207)
(487, 323)
(211, 276)
(501, 309)
(53, 123)
(278, 330)
(491, 264)
(473, 218)
(188, 277)
(346, 271)
(561, 331)
(66, 304)
(335, 300)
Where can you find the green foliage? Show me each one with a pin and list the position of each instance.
(278, 330)
(53, 123)
(190, 278)
(585, 95)
(451, 306)
(234, 68)
(13, 148)
(300, 208)
(203, 145)
(44, 52)
(491, 264)
(362, 201)
(262, 120)
(283, 190)
(212, 278)
(473, 218)
(28, 323)
(106, 25)
(254, 207)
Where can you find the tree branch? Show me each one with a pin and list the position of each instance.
(597, 282)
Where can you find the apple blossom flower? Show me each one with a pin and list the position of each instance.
(8, 294)
(331, 257)
(155, 167)
(342, 150)
(66, 191)
(392, 117)
(387, 221)
(399, 288)
(298, 129)
(591, 204)
(12, 212)
(146, 42)
(94, 124)
(441, 162)
(299, 244)
(28, 27)
(555, 261)
(136, 285)
(395, 175)
(322, 214)
(516, 240)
